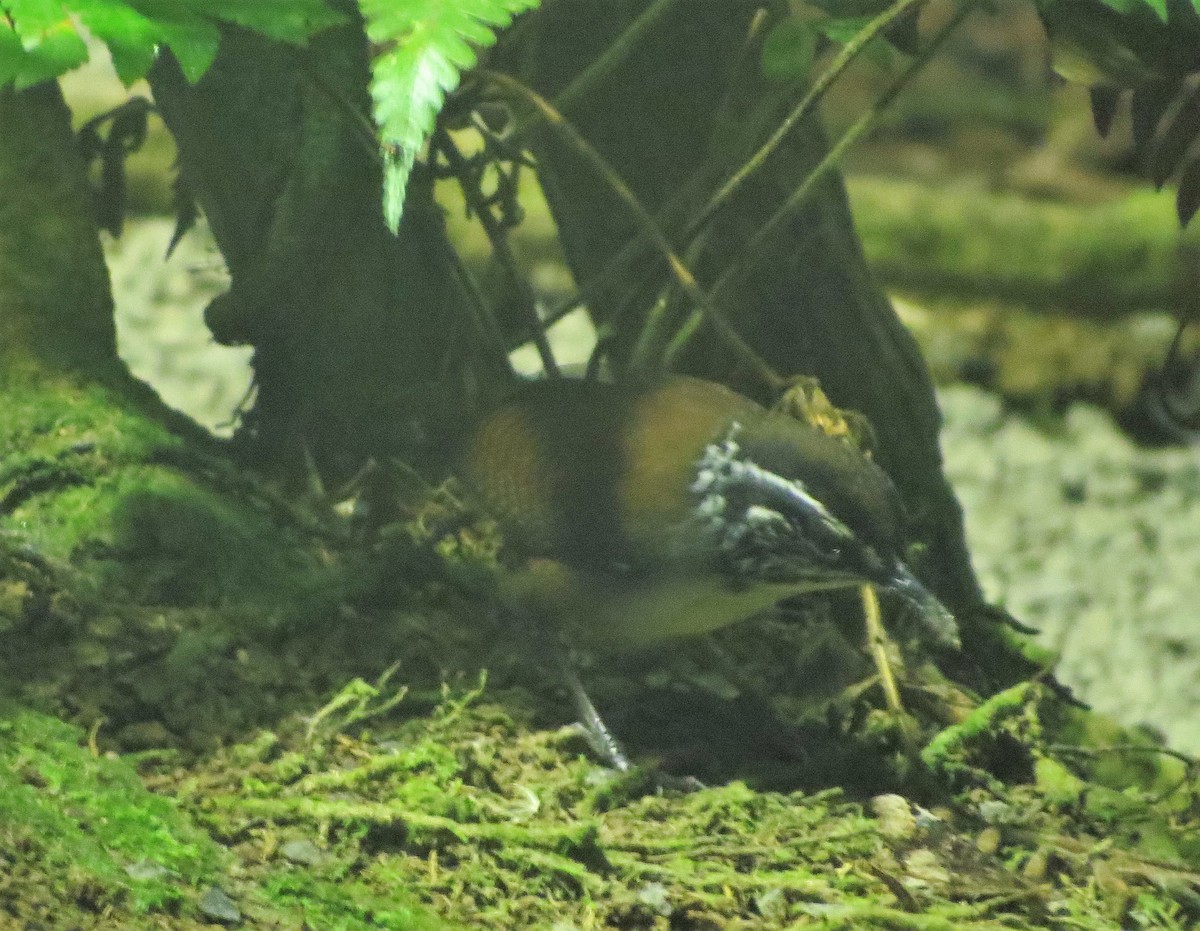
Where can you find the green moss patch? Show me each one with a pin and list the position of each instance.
(83, 828)
(83, 844)
(471, 813)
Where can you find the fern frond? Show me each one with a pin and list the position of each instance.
(428, 45)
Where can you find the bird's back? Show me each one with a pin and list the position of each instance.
(590, 473)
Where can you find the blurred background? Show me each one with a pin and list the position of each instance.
(1042, 275)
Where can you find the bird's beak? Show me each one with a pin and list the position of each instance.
(936, 618)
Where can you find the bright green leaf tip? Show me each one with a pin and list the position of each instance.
(429, 44)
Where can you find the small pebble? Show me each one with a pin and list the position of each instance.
(215, 904)
(302, 851)
(988, 840)
(896, 820)
(147, 869)
(654, 896)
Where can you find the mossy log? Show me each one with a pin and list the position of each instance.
(1101, 262)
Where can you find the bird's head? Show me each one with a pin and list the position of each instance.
(781, 503)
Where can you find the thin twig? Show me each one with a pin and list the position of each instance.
(482, 319)
(849, 52)
(582, 85)
(679, 271)
(501, 248)
(632, 248)
(877, 640)
(364, 129)
(824, 168)
(1095, 752)
(806, 106)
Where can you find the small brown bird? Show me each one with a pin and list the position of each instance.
(635, 514)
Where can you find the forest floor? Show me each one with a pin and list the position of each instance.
(423, 798)
(1075, 528)
(358, 804)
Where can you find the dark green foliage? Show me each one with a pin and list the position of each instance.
(39, 40)
(1146, 50)
(789, 50)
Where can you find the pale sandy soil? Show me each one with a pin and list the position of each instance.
(1094, 540)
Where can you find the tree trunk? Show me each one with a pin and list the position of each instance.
(353, 328)
(141, 578)
(55, 307)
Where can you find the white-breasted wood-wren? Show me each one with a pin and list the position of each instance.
(634, 514)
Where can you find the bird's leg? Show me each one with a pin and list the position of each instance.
(603, 742)
(532, 596)
(598, 734)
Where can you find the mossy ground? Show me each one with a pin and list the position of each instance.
(82, 837)
(202, 631)
(287, 779)
(380, 811)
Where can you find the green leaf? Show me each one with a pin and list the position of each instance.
(55, 55)
(286, 20)
(191, 36)
(1104, 100)
(189, 27)
(789, 50)
(843, 29)
(47, 45)
(33, 18)
(877, 52)
(1187, 201)
(429, 43)
(852, 9)
(1176, 139)
(1134, 7)
(1150, 102)
(12, 55)
(193, 41)
(1159, 7)
(131, 37)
